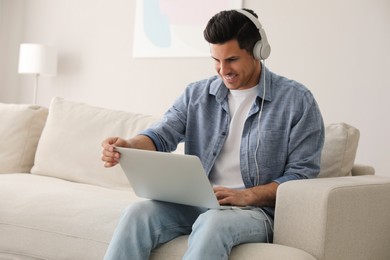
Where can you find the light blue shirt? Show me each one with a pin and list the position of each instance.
(291, 129)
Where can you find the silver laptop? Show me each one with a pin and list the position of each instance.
(168, 177)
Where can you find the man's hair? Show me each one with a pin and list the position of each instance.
(232, 25)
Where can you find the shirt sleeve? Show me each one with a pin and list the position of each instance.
(170, 131)
(305, 144)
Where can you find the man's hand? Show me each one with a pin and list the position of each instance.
(263, 195)
(233, 197)
(110, 157)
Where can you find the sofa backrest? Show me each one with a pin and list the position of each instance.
(20, 129)
(70, 145)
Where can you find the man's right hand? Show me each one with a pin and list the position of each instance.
(110, 156)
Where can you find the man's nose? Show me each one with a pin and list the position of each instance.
(224, 68)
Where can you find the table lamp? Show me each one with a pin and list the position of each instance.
(39, 60)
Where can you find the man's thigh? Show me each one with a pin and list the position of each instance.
(236, 225)
(161, 219)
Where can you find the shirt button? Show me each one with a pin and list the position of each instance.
(223, 133)
(214, 153)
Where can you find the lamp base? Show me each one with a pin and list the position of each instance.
(36, 88)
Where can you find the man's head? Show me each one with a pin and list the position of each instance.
(232, 25)
(232, 37)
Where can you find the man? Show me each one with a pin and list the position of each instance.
(252, 130)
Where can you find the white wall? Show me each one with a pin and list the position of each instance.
(339, 49)
(11, 17)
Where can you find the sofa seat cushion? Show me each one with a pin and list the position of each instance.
(40, 216)
(48, 218)
(20, 129)
(175, 249)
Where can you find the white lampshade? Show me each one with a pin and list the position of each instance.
(37, 59)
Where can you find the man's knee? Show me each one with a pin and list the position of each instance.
(212, 221)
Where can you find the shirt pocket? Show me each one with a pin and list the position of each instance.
(273, 149)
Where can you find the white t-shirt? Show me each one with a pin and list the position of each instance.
(226, 170)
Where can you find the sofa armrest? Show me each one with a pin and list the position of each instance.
(335, 218)
(360, 169)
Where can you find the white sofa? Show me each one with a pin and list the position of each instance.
(57, 201)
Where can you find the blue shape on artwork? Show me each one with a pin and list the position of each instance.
(156, 24)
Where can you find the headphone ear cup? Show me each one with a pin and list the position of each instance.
(262, 49)
(257, 49)
(265, 49)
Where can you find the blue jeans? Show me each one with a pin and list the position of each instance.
(213, 233)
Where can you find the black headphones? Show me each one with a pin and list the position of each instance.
(262, 49)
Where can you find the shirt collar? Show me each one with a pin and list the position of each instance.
(265, 72)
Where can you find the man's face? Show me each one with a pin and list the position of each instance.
(237, 68)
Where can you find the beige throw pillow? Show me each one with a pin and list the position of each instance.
(338, 154)
(20, 129)
(70, 146)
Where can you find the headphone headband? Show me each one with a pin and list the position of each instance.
(262, 49)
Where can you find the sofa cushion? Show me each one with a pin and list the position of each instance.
(70, 145)
(176, 248)
(49, 218)
(338, 154)
(20, 129)
(49, 215)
